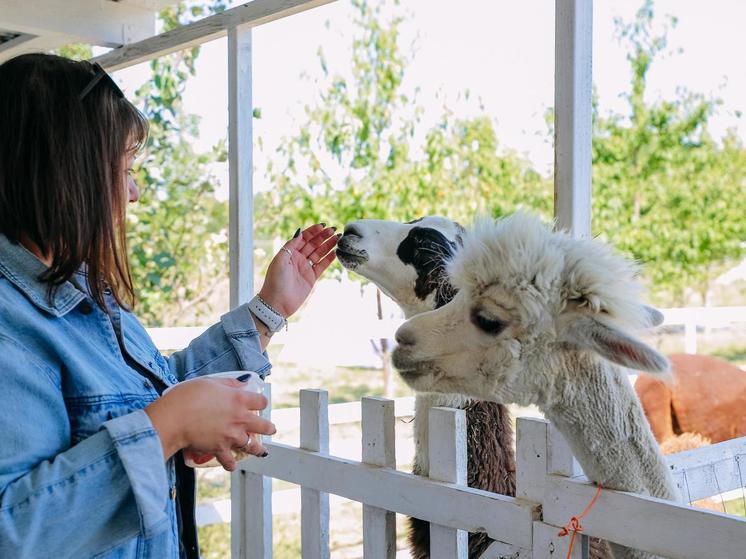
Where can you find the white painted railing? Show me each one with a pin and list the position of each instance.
(690, 317)
(550, 489)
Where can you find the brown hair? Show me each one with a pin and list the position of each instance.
(62, 175)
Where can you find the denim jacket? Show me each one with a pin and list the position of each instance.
(82, 472)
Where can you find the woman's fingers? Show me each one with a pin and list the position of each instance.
(316, 241)
(297, 243)
(324, 263)
(323, 249)
(252, 423)
(251, 400)
(255, 447)
(226, 459)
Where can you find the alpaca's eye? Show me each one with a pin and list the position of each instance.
(487, 323)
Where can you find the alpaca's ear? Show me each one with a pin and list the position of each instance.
(655, 317)
(611, 343)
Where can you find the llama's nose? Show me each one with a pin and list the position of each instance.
(405, 336)
(353, 230)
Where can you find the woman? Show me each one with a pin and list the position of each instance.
(90, 461)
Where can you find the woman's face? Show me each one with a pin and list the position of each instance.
(133, 194)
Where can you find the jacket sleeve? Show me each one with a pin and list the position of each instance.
(230, 345)
(77, 500)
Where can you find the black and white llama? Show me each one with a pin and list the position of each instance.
(407, 262)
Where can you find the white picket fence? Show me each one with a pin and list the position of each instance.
(550, 490)
(690, 317)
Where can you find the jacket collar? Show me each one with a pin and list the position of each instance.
(23, 269)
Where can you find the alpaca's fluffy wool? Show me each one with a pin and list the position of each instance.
(547, 266)
(556, 311)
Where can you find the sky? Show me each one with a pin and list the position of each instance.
(501, 52)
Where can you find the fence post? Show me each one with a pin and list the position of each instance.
(379, 525)
(560, 461)
(314, 436)
(690, 334)
(251, 526)
(447, 453)
(240, 165)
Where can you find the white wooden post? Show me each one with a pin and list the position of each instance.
(447, 448)
(560, 459)
(540, 449)
(240, 166)
(379, 525)
(314, 436)
(572, 115)
(690, 334)
(251, 507)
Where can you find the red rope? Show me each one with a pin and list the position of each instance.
(574, 526)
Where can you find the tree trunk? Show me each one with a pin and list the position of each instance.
(385, 353)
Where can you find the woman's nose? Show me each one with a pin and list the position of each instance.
(132, 191)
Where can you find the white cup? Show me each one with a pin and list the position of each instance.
(253, 384)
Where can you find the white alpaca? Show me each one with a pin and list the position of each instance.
(407, 262)
(541, 318)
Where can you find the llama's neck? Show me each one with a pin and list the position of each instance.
(423, 403)
(594, 406)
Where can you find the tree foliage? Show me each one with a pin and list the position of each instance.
(177, 232)
(356, 154)
(665, 191)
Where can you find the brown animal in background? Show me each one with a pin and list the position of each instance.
(707, 397)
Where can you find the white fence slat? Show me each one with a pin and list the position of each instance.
(548, 543)
(531, 458)
(660, 527)
(240, 166)
(500, 550)
(503, 518)
(711, 470)
(251, 507)
(314, 436)
(253, 13)
(572, 115)
(379, 439)
(560, 459)
(447, 448)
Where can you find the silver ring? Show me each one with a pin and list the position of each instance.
(288, 251)
(310, 263)
(248, 442)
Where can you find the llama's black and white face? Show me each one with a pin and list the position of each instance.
(405, 260)
(528, 298)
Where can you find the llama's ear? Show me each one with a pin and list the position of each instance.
(611, 343)
(655, 317)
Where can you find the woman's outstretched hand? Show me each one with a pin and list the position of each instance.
(295, 269)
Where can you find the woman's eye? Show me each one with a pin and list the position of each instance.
(488, 324)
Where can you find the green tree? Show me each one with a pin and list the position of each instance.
(356, 157)
(664, 191)
(177, 232)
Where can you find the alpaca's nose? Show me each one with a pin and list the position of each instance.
(352, 230)
(405, 336)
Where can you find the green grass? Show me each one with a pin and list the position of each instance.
(736, 354)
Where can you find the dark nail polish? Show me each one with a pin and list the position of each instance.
(244, 378)
(265, 454)
(323, 224)
(296, 233)
(334, 228)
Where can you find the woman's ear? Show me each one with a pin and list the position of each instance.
(612, 343)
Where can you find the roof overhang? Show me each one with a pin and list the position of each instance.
(39, 25)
